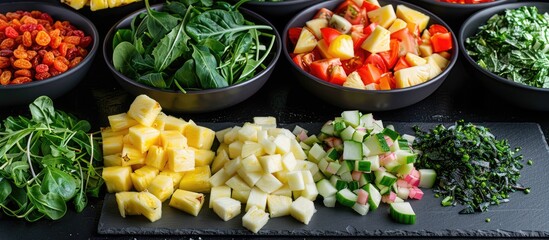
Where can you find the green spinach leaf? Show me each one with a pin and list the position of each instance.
(205, 67)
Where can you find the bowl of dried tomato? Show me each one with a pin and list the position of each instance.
(45, 49)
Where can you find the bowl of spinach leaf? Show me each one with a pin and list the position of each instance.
(192, 56)
(507, 47)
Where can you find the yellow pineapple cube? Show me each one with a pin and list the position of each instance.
(235, 149)
(441, 61)
(353, 80)
(251, 148)
(176, 176)
(132, 156)
(222, 147)
(180, 160)
(203, 157)
(219, 192)
(76, 4)
(120, 122)
(173, 139)
(384, 16)
(265, 122)
(113, 145)
(230, 135)
(197, 180)
(160, 121)
(176, 124)
(199, 137)
(161, 187)
(117, 178)
(108, 132)
(144, 110)
(139, 203)
(187, 201)
(241, 195)
(220, 135)
(414, 60)
(426, 50)
(411, 76)
(142, 177)
(378, 41)
(156, 157)
(219, 161)
(143, 137)
(112, 160)
(98, 4)
(434, 69)
(412, 16)
(251, 164)
(397, 25)
(247, 133)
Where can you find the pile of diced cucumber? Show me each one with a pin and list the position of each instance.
(364, 164)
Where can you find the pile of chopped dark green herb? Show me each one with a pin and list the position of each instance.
(514, 45)
(473, 167)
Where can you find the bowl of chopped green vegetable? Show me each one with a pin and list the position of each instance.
(455, 11)
(192, 57)
(385, 57)
(508, 50)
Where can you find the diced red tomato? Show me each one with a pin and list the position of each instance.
(369, 29)
(369, 73)
(391, 57)
(386, 81)
(369, 6)
(408, 43)
(324, 13)
(293, 34)
(329, 34)
(441, 42)
(376, 60)
(303, 60)
(326, 68)
(352, 12)
(337, 75)
(354, 63)
(401, 63)
(437, 28)
(358, 39)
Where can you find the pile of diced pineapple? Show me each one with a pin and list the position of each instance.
(158, 156)
(151, 157)
(265, 168)
(97, 4)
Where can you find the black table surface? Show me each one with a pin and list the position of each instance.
(461, 96)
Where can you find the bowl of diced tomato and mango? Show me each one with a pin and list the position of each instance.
(369, 55)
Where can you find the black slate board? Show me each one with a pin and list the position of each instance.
(526, 215)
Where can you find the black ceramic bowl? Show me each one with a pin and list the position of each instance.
(279, 12)
(454, 13)
(519, 94)
(366, 100)
(57, 86)
(199, 100)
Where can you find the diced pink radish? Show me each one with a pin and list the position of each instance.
(387, 158)
(418, 193)
(338, 142)
(356, 175)
(302, 135)
(389, 141)
(415, 173)
(389, 198)
(330, 141)
(412, 180)
(412, 193)
(402, 183)
(362, 197)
